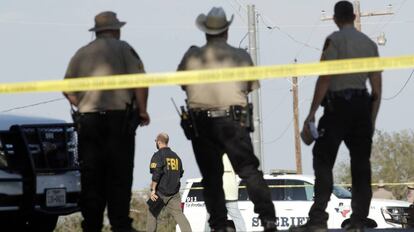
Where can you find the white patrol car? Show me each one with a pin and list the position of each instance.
(39, 172)
(292, 196)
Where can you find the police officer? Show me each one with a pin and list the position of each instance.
(218, 111)
(349, 116)
(166, 169)
(382, 193)
(106, 125)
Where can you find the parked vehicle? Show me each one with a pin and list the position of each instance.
(39, 172)
(292, 196)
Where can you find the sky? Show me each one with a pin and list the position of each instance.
(38, 38)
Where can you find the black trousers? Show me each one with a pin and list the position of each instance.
(223, 135)
(348, 121)
(106, 152)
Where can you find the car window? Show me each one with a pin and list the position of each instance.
(303, 191)
(276, 190)
(195, 193)
(341, 192)
(243, 196)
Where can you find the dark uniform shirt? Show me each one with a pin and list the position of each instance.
(166, 169)
(102, 57)
(348, 43)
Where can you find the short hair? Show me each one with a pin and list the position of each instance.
(163, 137)
(344, 11)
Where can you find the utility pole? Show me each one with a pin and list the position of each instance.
(255, 95)
(358, 14)
(298, 152)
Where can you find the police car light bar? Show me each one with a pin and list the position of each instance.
(282, 172)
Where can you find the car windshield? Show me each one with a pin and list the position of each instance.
(341, 192)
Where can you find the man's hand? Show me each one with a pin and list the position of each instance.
(154, 196)
(144, 118)
(310, 118)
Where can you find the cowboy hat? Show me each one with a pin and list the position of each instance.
(215, 22)
(107, 21)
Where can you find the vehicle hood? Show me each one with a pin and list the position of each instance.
(385, 202)
(7, 120)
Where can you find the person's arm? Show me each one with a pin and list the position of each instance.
(153, 187)
(134, 64)
(323, 82)
(375, 80)
(182, 66)
(72, 98)
(321, 88)
(156, 169)
(141, 95)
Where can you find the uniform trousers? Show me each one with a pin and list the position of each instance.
(224, 135)
(173, 207)
(106, 152)
(235, 215)
(348, 120)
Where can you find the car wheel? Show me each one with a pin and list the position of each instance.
(43, 222)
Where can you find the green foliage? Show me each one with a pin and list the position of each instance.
(138, 213)
(392, 160)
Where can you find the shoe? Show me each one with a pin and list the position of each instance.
(354, 228)
(269, 226)
(308, 228)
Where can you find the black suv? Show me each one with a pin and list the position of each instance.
(39, 172)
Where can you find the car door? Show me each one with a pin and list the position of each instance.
(295, 197)
(194, 207)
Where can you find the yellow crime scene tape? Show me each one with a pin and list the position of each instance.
(311, 185)
(211, 76)
(299, 186)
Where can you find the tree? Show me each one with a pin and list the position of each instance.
(392, 160)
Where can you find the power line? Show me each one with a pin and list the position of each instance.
(378, 29)
(32, 105)
(287, 34)
(401, 89)
(281, 135)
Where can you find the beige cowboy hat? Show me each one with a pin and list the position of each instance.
(215, 22)
(107, 20)
(381, 184)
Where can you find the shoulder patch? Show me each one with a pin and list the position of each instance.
(153, 165)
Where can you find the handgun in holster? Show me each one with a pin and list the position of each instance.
(131, 121)
(188, 123)
(244, 115)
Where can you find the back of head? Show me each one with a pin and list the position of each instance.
(163, 138)
(344, 12)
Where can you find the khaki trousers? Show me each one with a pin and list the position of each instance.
(173, 207)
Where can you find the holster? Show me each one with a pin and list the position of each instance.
(244, 115)
(76, 117)
(188, 123)
(132, 119)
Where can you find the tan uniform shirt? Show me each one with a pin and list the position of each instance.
(217, 54)
(230, 184)
(382, 193)
(410, 195)
(348, 43)
(103, 57)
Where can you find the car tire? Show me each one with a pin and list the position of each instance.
(43, 222)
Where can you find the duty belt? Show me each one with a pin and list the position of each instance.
(102, 113)
(213, 113)
(347, 93)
